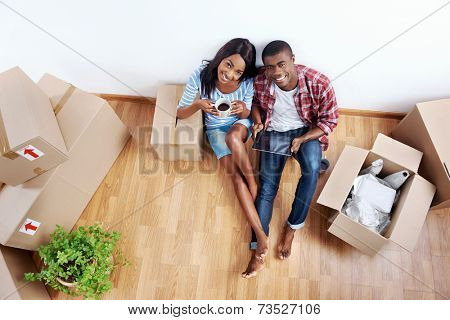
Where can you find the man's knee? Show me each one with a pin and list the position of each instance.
(311, 155)
(312, 166)
(267, 190)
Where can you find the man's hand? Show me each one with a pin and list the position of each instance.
(206, 106)
(296, 143)
(257, 127)
(237, 107)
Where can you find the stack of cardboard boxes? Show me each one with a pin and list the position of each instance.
(57, 143)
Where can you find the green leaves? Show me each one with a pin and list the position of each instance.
(84, 257)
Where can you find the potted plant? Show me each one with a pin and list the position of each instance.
(80, 262)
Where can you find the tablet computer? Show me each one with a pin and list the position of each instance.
(273, 142)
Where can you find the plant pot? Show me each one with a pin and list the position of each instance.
(67, 284)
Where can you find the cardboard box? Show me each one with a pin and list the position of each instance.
(94, 136)
(426, 128)
(408, 215)
(175, 139)
(13, 264)
(30, 139)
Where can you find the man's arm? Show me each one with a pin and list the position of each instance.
(327, 119)
(328, 111)
(314, 133)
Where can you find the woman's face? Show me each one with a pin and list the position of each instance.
(231, 69)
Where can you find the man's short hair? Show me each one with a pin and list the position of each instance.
(276, 47)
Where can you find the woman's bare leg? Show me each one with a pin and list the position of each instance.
(235, 139)
(247, 203)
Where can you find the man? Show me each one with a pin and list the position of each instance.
(297, 102)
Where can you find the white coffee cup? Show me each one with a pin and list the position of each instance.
(220, 103)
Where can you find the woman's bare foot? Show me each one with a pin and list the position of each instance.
(254, 266)
(262, 246)
(284, 247)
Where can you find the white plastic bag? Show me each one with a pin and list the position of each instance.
(374, 169)
(369, 189)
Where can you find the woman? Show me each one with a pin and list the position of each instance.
(229, 75)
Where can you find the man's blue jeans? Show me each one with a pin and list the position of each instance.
(271, 168)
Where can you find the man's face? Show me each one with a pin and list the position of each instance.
(280, 68)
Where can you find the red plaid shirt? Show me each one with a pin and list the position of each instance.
(315, 100)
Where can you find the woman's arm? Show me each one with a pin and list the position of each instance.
(188, 111)
(257, 120)
(189, 102)
(256, 114)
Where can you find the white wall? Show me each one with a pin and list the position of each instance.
(142, 44)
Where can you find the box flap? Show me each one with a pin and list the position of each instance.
(340, 182)
(356, 234)
(54, 88)
(8, 289)
(421, 127)
(103, 139)
(4, 144)
(27, 112)
(433, 113)
(167, 101)
(409, 215)
(188, 130)
(441, 205)
(13, 264)
(164, 119)
(18, 117)
(75, 111)
(397, 152)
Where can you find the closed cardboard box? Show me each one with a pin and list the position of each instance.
(94, 136)
(175, 139)
(13, 264)
(408, 216)
(30, 139)
(427, 128)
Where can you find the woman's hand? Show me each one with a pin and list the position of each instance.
(206, 106)
(237, 107)
(257, 127)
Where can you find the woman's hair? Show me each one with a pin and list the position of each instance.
(244, 48)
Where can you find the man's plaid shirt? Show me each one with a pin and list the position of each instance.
(315, 100)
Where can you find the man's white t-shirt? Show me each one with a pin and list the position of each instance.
(285, 115)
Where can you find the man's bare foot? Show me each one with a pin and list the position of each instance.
(284, 247)
(262, 246)
(254, 266)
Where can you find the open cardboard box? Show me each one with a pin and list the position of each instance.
(409, 213)
(175, 139)
(13, 264)
(426, 128)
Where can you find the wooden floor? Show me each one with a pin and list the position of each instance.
(187, 238)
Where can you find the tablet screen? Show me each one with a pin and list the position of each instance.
(273, 142)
